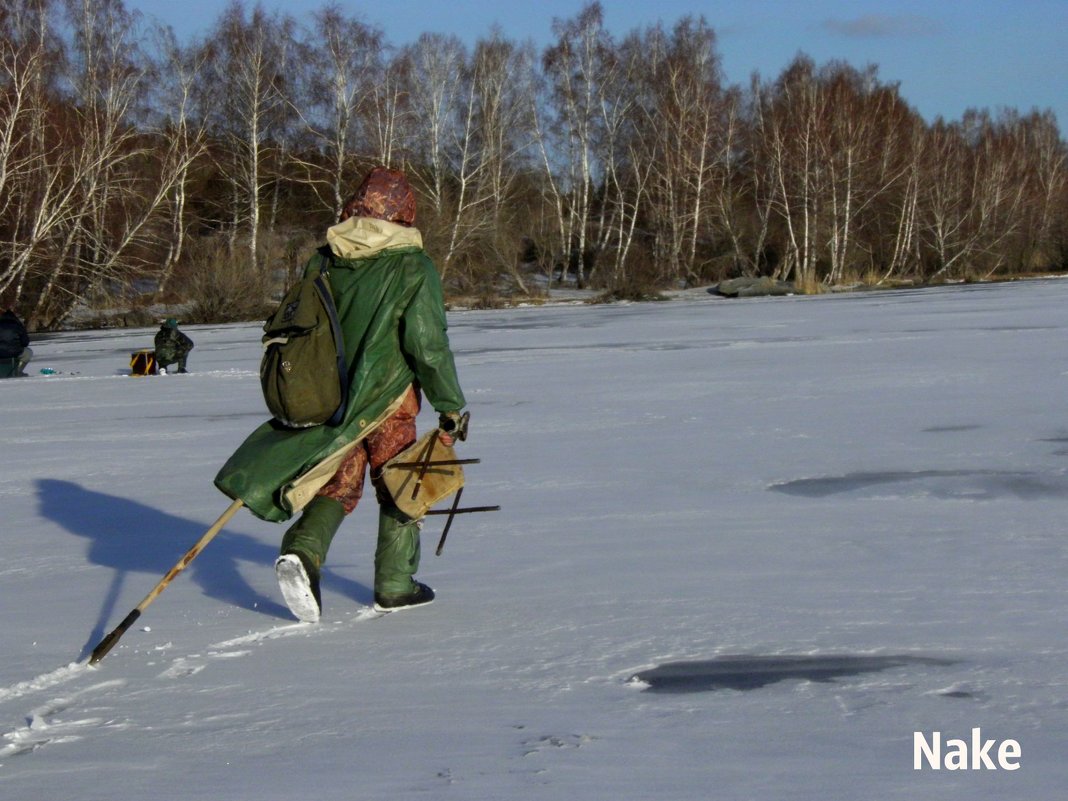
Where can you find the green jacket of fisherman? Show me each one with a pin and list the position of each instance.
(392, 315)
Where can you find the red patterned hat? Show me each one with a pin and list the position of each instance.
(385, 194)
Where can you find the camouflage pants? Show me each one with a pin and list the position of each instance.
(395, 434)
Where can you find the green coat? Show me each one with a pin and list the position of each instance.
(171, 345)
(392, 315)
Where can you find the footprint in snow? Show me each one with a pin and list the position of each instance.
(46, 725)
(182, 669)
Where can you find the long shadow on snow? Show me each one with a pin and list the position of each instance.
(753, 672)
(130, 537)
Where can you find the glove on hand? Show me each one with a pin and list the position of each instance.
(454, 424)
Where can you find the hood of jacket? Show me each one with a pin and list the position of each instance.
(364, 237)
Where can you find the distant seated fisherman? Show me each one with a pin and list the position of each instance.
(172, 346)
(14, 341)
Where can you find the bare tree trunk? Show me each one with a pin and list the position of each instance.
(248, 68)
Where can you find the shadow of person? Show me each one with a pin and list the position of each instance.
(130, 537)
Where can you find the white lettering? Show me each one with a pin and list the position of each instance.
(963, 754)
(956, 755)
(932, 751)
(1009, 749)
(979, 749)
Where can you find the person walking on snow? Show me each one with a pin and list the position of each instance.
(172, 346)
(392, 314)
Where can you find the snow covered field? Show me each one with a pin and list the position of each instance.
(814, 526)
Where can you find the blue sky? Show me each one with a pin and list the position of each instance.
(948, 55)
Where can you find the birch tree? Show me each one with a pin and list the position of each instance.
(28, 60)
(116, 202)
(343, 58)
(247, 101)
(684, 80)
(493, 141)
(388, 120)
(626, 152)
(788, 113)
(183, 133)
(1048, 188)
(434, 69)
(572, 66)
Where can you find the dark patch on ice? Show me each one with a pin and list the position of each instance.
(631, 347)
(948, 484)
(744, 672)
(539, 744)
(948, 429)
(550, 318)
(957, 694)
(211, 418)
(1015, 328)
(1060, 439)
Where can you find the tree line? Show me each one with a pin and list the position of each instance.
(135, 167)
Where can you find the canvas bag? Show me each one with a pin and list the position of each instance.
(303, 372)
(401, 475)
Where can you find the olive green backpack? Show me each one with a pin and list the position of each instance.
(303, 372)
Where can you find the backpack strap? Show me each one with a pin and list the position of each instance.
(326, 260)
(322, 286)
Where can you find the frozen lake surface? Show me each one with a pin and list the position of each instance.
(746, 550)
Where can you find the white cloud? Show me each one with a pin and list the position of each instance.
(883, 25)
